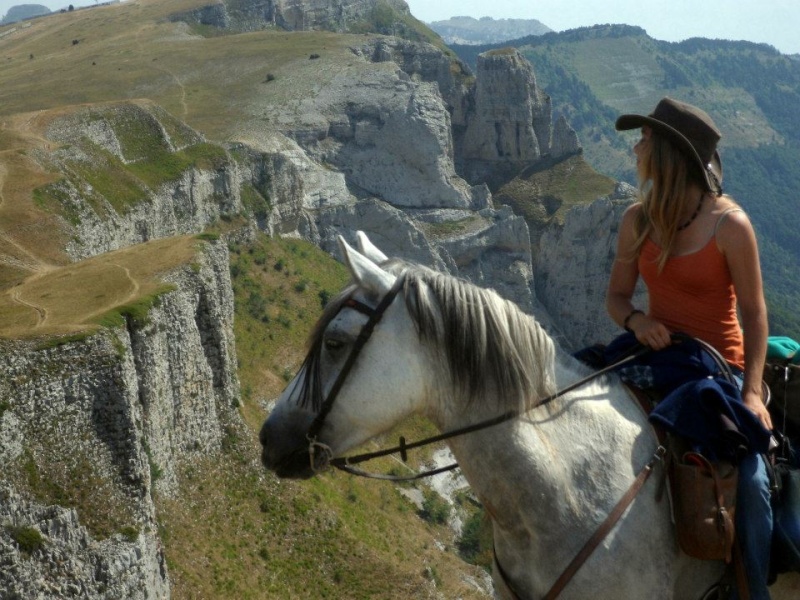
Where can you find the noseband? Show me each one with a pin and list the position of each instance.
(320, 454)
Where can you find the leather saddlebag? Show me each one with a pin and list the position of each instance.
(704, 503)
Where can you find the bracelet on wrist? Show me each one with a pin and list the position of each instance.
(625, 323)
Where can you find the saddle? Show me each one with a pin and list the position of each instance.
(786, 491)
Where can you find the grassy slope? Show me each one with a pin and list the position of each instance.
(556, 189)
(76, 297)
(235, 531)
(131, 51)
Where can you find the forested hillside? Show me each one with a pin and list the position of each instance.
(753, 92)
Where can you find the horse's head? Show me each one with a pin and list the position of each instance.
(364, 372)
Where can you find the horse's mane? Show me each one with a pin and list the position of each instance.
(488, 343)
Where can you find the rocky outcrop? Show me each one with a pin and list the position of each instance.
(565, 139)
(106, 216)
(69, 562)
(510, 122)
(489, 247)
(115, 412)
(390, 135)
(512, 118)
(333, 16)
(572, 268)
(291, 15)
(420, 60)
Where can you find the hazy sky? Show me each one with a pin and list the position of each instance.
(775, 22)
(51, 4)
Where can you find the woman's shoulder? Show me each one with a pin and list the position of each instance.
(632, 212)
(728, 211)
(732, 223)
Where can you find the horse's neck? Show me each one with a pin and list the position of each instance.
(546, 475)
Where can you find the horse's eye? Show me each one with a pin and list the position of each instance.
(333, 344)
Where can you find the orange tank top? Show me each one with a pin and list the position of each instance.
(694, 294)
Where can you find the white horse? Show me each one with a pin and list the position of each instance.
(459, 354)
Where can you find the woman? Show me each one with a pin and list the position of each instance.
(696, 252)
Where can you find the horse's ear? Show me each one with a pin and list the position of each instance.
(364, 272)
(368, 249)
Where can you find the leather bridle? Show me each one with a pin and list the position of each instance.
(319, 453)
(321, 456)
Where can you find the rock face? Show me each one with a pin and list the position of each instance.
(510, 125)
(72, 564)
(115, 412)
(184, 202)
(426, 62)
(291, 15)
(572, 269)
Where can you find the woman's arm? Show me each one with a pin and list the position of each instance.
(622, 284)
(737, 240)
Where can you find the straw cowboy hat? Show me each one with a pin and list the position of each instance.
(690, 129)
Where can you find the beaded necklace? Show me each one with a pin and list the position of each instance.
(694, 216)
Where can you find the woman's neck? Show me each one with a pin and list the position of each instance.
(698, 206)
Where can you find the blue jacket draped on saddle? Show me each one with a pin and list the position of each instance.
(699, 403)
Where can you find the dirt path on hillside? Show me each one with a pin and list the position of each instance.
(55, 318)
(16, 296)
(43, 292)
(133, 294)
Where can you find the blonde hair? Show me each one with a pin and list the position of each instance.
(665, 175)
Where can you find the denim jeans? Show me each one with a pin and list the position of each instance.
(754, 523)
(754, 520)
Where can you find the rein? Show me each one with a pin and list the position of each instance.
(345, 463)
(320, 454)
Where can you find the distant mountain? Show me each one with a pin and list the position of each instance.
(595, 73)
(486, 30)
(24, 11)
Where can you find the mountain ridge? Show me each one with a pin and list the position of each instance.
(486, 30)
(596, 73)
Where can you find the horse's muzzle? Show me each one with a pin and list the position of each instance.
(285, 452)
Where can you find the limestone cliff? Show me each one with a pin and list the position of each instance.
(572, 268)
(112, 414)
(291, 15)
(510, 124)
(132, 173)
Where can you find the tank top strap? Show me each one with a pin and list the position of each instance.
(724, 214)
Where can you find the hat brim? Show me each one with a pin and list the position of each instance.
(627, 122)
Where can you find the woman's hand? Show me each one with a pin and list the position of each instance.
(650, 332)
(755, 403)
